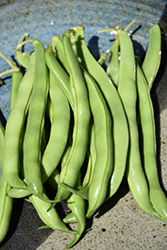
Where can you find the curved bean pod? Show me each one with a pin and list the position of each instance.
(120, 126)
(146, 114)
(33, 133)
(60, 74)
(51, 217)
(70, 218)
(70, 170)
(77, 205)
(14, 127)
(103, 167)
(59, 50)
(128, 91)
(113, 66)
(23, 58)
(59, 129)
(152, 58)
(6, 203)
(6, 206)
(22, 193)
(16, 80)
(84, 189)
(91, 162)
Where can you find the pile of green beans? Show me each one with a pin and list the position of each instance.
(80, 129)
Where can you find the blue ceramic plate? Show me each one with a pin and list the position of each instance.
(44, 19)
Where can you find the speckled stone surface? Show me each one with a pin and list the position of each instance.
(120, 223)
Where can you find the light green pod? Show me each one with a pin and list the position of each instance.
(34, 126)
(6, 203)
(78, 207)
(152, 58)
(128, 92)
(51, 217)
(60, 74)
(113, 66)
(70, 218)
(59, 130)
(59, 50)
(14, 129)
(70, 171)
(120, 127)
(16, 80)
(23, 58)
(148, 146)
(103, 167)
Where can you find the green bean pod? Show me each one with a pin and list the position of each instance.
(152, 58)
(59, 50)
(77, 205)
(84, 189)
(18, 193)
(60, 74)
(16, 80)
(148, 147)
(104, 147)
(128, 91)
(120, 126)
(23, 58)
(92, 158)
(33, 133)
(14, 129)
(22, 193)
(50, 218)
(71, 168)
(70, 218)
(6, 203)
(113, 66)
(59, 129)
(6, 207)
